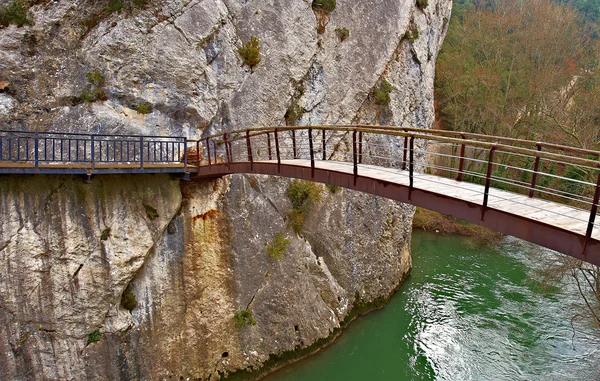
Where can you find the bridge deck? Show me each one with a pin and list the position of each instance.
(547, 212)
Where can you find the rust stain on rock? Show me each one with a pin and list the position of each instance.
(204, 216)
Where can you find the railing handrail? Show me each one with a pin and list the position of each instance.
(91, 134)
(430, 135)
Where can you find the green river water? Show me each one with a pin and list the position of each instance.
(463, 314)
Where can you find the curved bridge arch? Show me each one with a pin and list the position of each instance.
(353, 157)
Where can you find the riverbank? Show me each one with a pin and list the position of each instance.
(431, 221)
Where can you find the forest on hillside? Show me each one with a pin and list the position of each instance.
(529, 70)
(522, 69)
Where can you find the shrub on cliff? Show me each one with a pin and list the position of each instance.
(382, 93)
(278, 246)
(301, 194)
(243, 318)
(250, 52)
(93, 337)
(14, 13)
(326, 5)
(94, 91)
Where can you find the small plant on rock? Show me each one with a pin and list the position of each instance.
(412, 35)
(94, 337)
(115, 6)
(14, 13)
(323, 9)
(326, 5)
(243, 318)
(144, 108)
(422, 3)
(382, 93)
(301, 194)
(94, 92)
(277, 248)
(250, 52)
(294, 114)
(333, 188)
(342, 33)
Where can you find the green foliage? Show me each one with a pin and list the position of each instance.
(14, 13)
(90, 95)
(105, 234)
(151, 213)
(295, 220)
(412, 35)
(294, 114)
(128, 300)
(342, 33)
(95, 92)
(326, 5)
(250, 52)
(422, 3)
(115, 6)
(277, 248)
(140, 3)
(577, 174)
(333, 188)
(144, 108)
(382, 93)
(243, 318)
(301, 194)
(95, 78)
(94, 337)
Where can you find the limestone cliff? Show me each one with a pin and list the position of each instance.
(194, 254)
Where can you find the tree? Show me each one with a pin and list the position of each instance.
(518, 69)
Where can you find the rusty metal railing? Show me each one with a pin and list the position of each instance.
(567, 175)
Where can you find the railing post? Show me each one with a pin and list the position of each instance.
(226, 149)
(269, 145)
(405, 152)
(593, 211)
(294, 142)
(197, 153)
(536, 166)
(141, 152)
(488, 181)
(411, 166)
(208, 151)
(185, 155)
(277, 151)
(360, 140)
(355, 156)
(312, 156)
(461, 163)
(36, 155)
(249, 147)
(324, 146)
(93, 151)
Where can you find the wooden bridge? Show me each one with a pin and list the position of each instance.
(544, 193)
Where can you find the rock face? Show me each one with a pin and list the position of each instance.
(65, 278)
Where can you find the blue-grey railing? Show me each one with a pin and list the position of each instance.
(57, 147)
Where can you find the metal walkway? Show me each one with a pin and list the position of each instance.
(544, 193)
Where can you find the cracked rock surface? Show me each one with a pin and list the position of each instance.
(71, 252)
